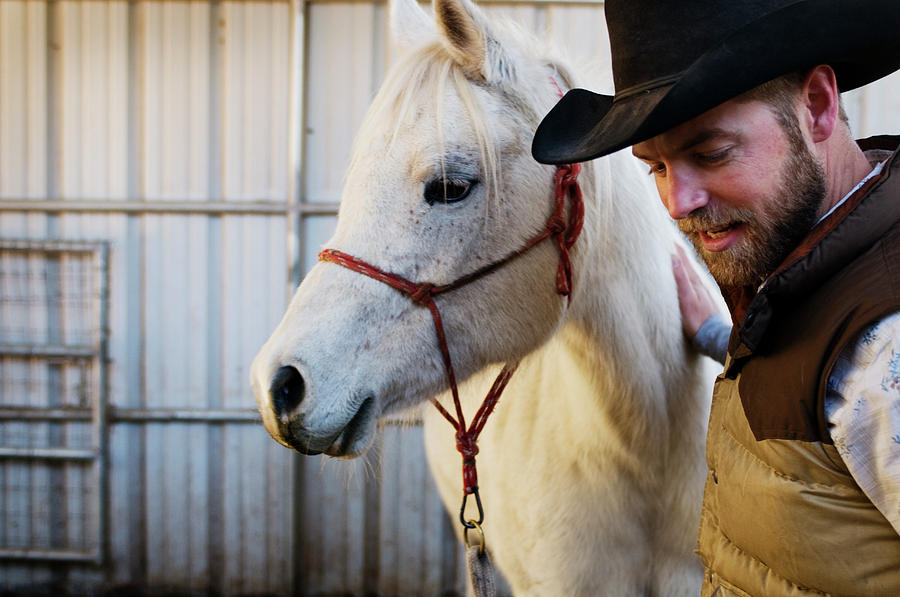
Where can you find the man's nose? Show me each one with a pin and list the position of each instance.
(683, 194)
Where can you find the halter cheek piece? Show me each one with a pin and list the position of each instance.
(565, 232)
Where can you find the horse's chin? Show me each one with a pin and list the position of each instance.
(353, 440)
(358, 435)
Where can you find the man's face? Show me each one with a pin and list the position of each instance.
(743, 189)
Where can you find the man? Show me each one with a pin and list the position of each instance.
(734, 107)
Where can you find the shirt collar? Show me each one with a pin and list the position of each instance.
(875, 172)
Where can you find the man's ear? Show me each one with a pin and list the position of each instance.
(821, 102)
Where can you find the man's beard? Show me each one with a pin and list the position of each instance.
(770, 234)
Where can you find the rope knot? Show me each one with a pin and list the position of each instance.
(567, 174)
(467, 445)
(556, 225)
(422, 294)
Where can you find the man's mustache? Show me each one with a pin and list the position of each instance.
(710, 217)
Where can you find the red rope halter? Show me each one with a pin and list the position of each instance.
(564, 231)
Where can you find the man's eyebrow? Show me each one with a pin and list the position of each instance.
(698, 139)
(640, 156)
(708, 135)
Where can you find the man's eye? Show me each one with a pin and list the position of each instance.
(657, 169)
(714, 157)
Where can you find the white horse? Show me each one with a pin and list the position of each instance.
(591, 469)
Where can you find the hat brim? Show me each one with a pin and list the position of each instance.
(857, 39)
(562, 138)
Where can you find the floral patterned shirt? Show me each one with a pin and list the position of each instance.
(862, 405)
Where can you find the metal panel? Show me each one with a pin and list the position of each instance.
(875, 108)
(127, 140)
(346, 54)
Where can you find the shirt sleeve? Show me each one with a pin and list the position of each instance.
(862, 405)
(712, 337)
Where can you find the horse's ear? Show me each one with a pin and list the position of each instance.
(410, 24)
(468, 37)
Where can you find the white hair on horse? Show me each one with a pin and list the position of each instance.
(591, 468)
(430, 68)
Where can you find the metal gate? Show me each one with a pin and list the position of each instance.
(53, 440)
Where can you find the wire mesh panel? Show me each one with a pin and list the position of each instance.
(52, 400)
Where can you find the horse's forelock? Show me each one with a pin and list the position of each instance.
(422, 79)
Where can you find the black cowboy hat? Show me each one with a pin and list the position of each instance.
(673, 61)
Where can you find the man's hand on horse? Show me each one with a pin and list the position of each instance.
(694, 298)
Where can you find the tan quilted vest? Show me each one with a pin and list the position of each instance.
(784, 517)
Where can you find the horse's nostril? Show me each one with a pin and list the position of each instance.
(286, 390)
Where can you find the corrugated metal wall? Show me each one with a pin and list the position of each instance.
(177, 165)
(150, 127)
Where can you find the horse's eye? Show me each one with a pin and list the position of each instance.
(447, 190)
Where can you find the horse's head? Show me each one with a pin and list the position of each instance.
(441, 183)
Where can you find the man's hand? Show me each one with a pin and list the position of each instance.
(694, 298)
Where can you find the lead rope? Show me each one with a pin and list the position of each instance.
(481, 571)
(565, 233)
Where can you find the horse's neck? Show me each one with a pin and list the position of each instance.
(617, 368)
(624, 324)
